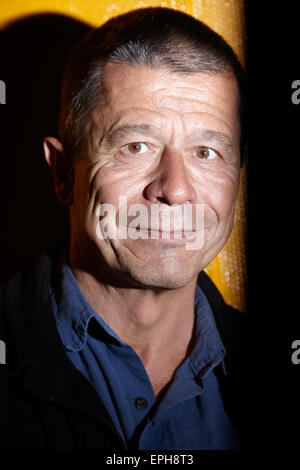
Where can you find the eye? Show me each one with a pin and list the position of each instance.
(205, 153)
(136, 148)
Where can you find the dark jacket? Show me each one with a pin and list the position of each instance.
(45, 403)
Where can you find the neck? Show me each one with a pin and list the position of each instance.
(156, 323)
(143, 318)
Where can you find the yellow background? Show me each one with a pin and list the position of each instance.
(228, 269)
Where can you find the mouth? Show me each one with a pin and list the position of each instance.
(174, 235)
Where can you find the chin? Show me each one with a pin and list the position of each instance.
(162, 269)
(162, 278)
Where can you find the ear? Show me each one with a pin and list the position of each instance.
(61, 169)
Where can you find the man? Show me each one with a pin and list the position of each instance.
(114, 340)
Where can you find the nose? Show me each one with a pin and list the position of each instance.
(171, 184)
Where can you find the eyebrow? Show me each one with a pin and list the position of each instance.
(209, 135)
(115, 135)
(216, 136)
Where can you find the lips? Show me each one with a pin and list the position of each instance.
(162, 234)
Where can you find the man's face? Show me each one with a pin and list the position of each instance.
(159, 139)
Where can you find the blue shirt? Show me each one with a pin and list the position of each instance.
(189, 416)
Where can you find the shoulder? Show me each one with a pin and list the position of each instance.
(233, 325)
(226, 316)
(22, 301)
(233, 328)
(25, 288)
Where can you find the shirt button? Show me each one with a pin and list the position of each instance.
(141, 403)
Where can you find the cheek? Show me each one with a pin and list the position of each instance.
(219, 194)
(110, 183)
(106, 188)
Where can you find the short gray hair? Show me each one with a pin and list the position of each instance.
(151, 36)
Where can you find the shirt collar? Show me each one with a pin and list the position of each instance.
(208, 350)
(73, 314)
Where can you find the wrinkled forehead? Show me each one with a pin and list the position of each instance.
(139, 92)
(138, 83)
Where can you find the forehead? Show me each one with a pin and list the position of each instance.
(155, 94)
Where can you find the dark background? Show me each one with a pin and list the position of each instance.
(34, 52)
(32, 56)
(273, 255)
